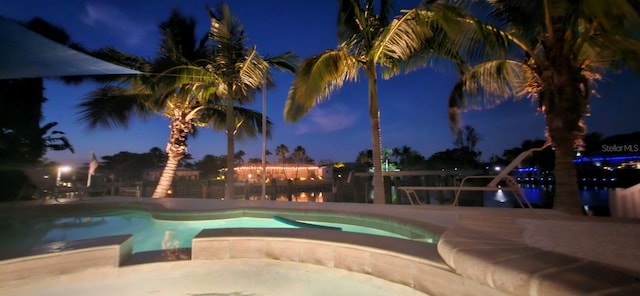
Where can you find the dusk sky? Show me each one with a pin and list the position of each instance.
(413, 106)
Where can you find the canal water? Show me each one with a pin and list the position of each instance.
(595, 199)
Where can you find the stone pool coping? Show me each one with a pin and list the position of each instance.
(54, 259)
(501, 249)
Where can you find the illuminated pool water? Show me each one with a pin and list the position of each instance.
(149, 234)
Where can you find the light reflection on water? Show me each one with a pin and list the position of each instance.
(542, 197)
(301, 196)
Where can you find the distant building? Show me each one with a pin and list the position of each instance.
(326, 171)
(181, 174)
(252, 172)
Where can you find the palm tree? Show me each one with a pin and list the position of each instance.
(566, 46)
(386, 154)
(299, 155)
(238, 157)
(242, 71)
(173, 92)
(369, 41)
(363, 159)
(53, 139)
(282, 151)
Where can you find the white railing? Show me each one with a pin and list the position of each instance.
(625, 202)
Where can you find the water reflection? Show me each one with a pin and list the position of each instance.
(302, 196)
(171, 246)
(540, 196)
(595, 199)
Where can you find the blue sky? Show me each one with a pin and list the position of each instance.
(413, 106)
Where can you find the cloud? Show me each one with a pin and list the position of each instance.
(327, 119)
(100, 14)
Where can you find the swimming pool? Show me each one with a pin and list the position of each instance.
(149, 234)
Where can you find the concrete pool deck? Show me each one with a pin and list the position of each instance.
(481, 251)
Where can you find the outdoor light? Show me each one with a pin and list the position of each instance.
(62, 169)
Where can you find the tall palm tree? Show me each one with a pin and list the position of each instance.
(168, 90)
(242, 71)
(282, 151)
(564, 46)
(299, 155)
(364, 157)
(369, 42)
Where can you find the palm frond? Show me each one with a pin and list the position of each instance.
(316, 78)
(524, 19)
(123, 59)
(213, 114)
(251, 71)
(178, 41)
(287, 61)
(349, 11)
(608, 34)
(386, 8)
(471, 37)
(113, 106)
(489, 84)
(627, 50)
(177, 77)
(402, 37)
(251, 125)
(59, 142)
(250, 122)
(228, 35)
(615, 16)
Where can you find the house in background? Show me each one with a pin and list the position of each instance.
(252, 172)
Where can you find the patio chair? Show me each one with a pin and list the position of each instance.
(510, 184)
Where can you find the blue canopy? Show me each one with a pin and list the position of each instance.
(26, 54)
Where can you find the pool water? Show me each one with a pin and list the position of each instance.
(149, 234)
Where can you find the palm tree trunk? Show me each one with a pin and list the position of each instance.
(166, 178)
(284, 172)
(566, 104)
(229, 190)
(180, 128)
(378, 180)
(567, 197)
(376, 139)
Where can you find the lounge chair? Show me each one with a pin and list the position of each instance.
(510, 183)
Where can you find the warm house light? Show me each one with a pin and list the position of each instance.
(280, 171)
(277, 167)
(62, 169)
